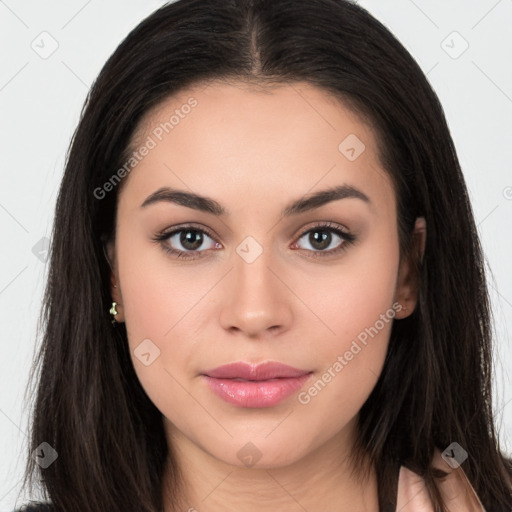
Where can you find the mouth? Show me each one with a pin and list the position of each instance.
(255, 386)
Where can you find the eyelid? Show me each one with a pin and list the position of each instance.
(325, 224)
(166, 233)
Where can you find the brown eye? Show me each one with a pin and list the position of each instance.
(190, 239)
(325, 239)
(186, 242)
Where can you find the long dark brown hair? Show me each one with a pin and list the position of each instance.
(435, 387)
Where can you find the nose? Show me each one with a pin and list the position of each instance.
(257, 302)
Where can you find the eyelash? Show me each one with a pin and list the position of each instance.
(347, 239)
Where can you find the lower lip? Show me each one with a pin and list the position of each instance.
(254, 394)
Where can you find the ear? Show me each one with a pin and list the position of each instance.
(407, 289)
(109, 248)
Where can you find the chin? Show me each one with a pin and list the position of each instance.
(260, 454)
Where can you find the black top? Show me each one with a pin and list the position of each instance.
(36, 507)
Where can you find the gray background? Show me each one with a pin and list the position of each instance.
(41, 95)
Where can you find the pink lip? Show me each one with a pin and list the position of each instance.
(263, 385)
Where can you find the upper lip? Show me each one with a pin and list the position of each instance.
(247, 371)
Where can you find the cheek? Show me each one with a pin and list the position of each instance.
(157, 294)
(170, 305)
(352, 298)
(357, 306)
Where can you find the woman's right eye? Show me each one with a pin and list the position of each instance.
(185, 242)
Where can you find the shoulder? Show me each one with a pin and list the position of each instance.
(456, 490)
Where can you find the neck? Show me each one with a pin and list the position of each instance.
(321, 481)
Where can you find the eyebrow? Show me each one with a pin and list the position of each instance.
(208, 205)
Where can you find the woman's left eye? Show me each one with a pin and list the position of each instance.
(191, 239)
(322, 241)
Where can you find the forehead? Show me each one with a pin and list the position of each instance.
(265, 109)
(261, 141)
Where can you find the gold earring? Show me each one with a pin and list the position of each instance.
(113, 311)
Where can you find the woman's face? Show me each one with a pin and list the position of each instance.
(257, 276)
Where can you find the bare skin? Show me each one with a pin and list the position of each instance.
(255, 152)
